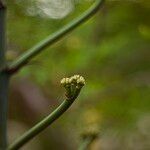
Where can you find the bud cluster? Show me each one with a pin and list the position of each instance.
(73, 85)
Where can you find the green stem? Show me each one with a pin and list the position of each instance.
(41, 126)
(85, 143)
(27, 56)
(4, 79)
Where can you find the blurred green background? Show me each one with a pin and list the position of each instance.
(112, 52)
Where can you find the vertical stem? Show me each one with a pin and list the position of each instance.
(3, 81)
(2, 34)
(3, 110)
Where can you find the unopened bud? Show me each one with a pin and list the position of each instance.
(73, 85)
(81, 81)
(63, 81)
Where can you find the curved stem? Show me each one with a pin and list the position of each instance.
(27, 56)
(41, 126)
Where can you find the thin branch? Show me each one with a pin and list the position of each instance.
(40, 126)
(77, 83)
(27, 56)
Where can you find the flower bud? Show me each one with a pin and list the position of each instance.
(73, 86)
(81, 81)
(63, 81)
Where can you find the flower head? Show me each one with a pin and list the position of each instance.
(73, 85)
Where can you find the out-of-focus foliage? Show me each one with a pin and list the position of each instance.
(112, 52)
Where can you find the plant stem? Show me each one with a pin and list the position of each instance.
(2, 34)
(41, 126)
(85, 143)
(27, 56)
(4, 79)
